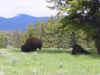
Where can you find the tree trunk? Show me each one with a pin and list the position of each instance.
(73, 39)
(41, 31)
(97, 44)
(87, 42)
(97, 40)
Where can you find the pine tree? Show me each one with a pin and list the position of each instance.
(80, 15)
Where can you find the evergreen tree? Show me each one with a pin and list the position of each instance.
(80, 15)
(30, 30)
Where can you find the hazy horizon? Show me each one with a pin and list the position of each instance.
(23, 15)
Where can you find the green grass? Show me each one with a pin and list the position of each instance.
(47, 62)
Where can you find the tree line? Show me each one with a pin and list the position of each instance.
(48, 32)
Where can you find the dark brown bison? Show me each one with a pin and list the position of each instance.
(31, 44)
(77, 49)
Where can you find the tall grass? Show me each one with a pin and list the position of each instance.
(48, 62)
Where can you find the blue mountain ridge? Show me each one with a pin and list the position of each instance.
(19, 22)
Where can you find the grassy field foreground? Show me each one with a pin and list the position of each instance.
(47, 62)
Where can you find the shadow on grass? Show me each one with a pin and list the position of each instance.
(54, 51)
(93, 53)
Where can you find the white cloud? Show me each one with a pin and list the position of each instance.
(10, 8)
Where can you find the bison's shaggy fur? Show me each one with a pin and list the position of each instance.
(31, 44)
(77, 49)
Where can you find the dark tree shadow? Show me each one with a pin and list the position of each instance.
(93, 54)
(54, 51)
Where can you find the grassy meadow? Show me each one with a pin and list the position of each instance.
(47, 62)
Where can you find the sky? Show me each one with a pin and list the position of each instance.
(11, 8)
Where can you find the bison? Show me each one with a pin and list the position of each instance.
(31, 44)
(77, 49)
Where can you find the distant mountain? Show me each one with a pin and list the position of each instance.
(19, 22)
